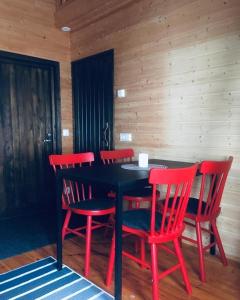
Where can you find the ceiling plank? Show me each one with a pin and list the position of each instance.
(78, 14)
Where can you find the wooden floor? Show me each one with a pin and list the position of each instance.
(222, 282)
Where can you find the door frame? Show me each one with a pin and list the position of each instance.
(56, 99)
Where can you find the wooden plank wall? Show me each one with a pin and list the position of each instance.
(179, 62)
(27, 27)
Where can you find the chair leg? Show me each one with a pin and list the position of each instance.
(130, 206)
(88, 245)
(66, 223)
(111, 262)
(219, 243)
(200, 252)
(154, 267)
(143, 253)
(137, 204)
(183, 266)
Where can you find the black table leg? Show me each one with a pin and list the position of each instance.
(118, 248)
(212, 240)
(59, 185)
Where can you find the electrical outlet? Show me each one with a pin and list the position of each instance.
(125, 137)
(65, 132)
(121, 93)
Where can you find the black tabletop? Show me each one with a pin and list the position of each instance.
(114, 176)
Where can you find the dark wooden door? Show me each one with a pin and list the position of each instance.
(29, 132)
(93, 102)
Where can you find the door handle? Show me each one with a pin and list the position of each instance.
(47, 141)
(48, 138)
(105, 140)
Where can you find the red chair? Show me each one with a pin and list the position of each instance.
(126, 155)
(158, 228)
(207, 208)
(77, 199)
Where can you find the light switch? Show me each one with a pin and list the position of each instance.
(125, 137)
(65, 132)
(121, 93)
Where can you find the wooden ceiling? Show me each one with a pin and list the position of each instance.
(62, 2)
(78, 14)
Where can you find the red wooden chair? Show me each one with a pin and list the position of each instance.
(158, 228)
(77, 199)
(126, 155)
(207, 208)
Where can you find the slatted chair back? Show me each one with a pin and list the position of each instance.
(214, 176)
(176, 184)
(71, 191)
(119, 155)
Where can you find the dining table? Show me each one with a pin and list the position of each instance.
(120, 178)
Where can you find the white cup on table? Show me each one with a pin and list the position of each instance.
(143, 160)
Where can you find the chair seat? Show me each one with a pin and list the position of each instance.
(143, 192)
(93, 204)
(140, 219)
(192, 207)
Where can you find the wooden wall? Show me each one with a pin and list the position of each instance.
(28, 27)
(179, 62)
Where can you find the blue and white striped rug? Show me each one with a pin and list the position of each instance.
(41, 280)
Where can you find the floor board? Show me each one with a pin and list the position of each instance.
(222, 282)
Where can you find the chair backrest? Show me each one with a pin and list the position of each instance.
(214, 176)
(71, 191)
(119, 155)
(176, 186)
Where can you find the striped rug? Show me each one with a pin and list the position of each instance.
(41, 280)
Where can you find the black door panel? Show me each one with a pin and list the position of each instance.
(93, 103)
(29, 114)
